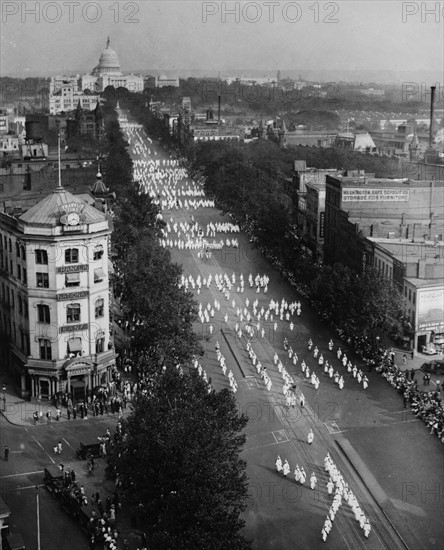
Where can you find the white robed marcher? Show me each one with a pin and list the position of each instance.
(297, 473)
(286, 468)
(365, 382)
(324, 534)
(303, 476)
(310, 437)
(313, 481)
(367, 528)
(279, 464)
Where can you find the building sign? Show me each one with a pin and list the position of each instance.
(205, 132)
(74, 228)
(358, 194)
(430, 309)
(321, 225)
(72, 268)
(71, 216)
(73, 328)
(72, 296)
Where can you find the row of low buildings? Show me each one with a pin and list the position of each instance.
(404, 142)
(396, 226)
(28, 141)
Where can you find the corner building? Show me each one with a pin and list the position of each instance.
(55, 298)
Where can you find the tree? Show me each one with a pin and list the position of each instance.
(162, 313)
(179, 457)
(381, 308)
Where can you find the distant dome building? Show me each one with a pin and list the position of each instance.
(66, 91)
(108, 62)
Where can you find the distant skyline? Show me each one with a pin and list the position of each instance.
(187, 37)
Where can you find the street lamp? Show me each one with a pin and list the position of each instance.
(4, 397)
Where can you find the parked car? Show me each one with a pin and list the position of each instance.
(433, 367)
(429, 350)
(87, 450)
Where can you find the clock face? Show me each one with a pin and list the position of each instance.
(73, 218)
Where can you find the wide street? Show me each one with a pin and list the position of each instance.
(392, 464)
(386, 455)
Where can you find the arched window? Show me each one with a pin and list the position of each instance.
(98, 252)
(72, 256)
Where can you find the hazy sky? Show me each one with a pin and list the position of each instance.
(51, 37)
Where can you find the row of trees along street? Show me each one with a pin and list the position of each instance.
(251, 182)
(178, 463)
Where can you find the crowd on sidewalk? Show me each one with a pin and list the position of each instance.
(426, 405)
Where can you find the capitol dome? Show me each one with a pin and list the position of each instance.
(108, 62)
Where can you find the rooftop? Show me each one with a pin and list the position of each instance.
(47, 212)
(424, 283)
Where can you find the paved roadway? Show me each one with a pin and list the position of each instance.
(386, 455)
(21, 478)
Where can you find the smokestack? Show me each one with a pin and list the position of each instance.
(218, 108)
(432, 108)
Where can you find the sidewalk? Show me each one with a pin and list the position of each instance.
(416, 363)
(19, 412)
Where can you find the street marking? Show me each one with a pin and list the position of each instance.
(40, 445)
(252, 383)
(24, 474)
(30, 487)
(68, 443)
(280, 436)
(264, 445)
(332, 427)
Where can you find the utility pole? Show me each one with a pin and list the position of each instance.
(38, 518)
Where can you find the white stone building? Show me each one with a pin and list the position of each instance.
(65, 91)
(55, 298)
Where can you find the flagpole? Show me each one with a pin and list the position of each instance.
(60, 166)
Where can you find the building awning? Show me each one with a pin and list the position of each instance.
(99, 275)
(72, 277)
(75, 345)
(77, 384)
